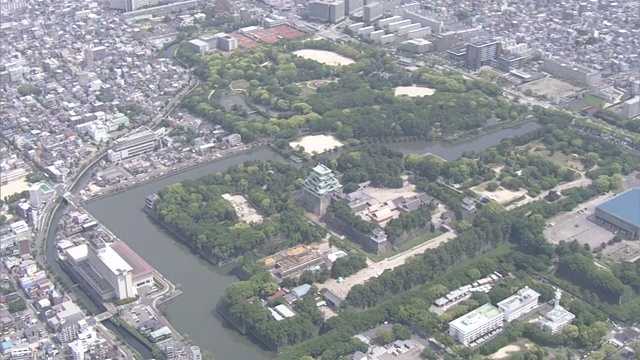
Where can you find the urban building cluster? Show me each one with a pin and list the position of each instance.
(210, 42)
(112, 273)
(37, 319)
(465, 292)
(585, 45)
(75, 77)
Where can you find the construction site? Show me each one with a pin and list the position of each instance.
(295, 260)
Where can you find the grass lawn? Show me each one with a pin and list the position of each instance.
(305, 90)
(239, 85)
(559, 158)
(413, 243)
(592, 100)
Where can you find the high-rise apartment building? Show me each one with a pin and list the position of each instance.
(331, 11)
(482, 53)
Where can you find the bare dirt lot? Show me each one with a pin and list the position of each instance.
(414, 91)
(510, 350)
(244, 210)
(573, 226)
(386, 194)
(14, 187)
(501, 195)
(326, 57)
(550, 87)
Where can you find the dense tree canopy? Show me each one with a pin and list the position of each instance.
(358, 103)
(197, 212)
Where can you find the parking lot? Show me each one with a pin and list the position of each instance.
(578, 225)
(141, 316)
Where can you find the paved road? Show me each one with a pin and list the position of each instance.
(374, 269)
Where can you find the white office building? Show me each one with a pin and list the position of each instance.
(472, 326)
(138, 143)
(114, 269)
(98, 132)
(103, 269)
(194, 353)
(20, 352)
(556, 319)
(40, 192)
(519, 303)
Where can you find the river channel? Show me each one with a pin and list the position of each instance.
(193, 312)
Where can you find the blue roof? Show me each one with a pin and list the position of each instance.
(625, 206)
(7, 345)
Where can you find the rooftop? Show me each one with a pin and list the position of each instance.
(78, 253)
(140, 267)
(558, 315)
(516, 300)
(163, 331)
(625, 206)
(476, 318)
(113, 261)
(321, 169)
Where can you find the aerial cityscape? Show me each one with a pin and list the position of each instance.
(319, 179)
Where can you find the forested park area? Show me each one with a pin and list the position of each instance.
(510, 242)
(196, 210)
(356, 101)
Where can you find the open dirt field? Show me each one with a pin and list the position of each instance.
(414, 91)
(94, 188)
(316, 143)
(385, 194)
(550, 87)
(573, 226)
(244, 210)
(501, 195)
(375, 269)
(14, 187)
(510, 350)
(324, 57)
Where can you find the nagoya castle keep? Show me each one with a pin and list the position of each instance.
(318, 189)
